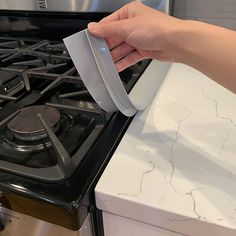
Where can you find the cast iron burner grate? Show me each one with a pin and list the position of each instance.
(48, 126)
(28, 59)
(48, 120)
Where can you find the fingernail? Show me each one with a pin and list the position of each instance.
(92, 26)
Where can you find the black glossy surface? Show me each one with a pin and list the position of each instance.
(49, 25)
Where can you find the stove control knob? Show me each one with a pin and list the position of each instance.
(4, 213)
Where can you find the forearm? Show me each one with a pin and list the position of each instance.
(209, 49)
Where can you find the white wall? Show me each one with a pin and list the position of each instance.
(219, 12)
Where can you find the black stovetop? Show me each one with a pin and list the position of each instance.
(49, 124)
(55, 140)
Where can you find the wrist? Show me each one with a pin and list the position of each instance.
(184, 40)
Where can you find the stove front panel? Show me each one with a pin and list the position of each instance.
(15, 223)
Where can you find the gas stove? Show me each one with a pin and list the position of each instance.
(55, 141)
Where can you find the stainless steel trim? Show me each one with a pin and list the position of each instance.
(21, 225)
(63, 5)
(72, 5)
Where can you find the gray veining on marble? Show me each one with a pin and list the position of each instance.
(175, 166)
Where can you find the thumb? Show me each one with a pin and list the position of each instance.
(108, 29)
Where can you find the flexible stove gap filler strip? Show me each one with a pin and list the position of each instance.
(98, 72)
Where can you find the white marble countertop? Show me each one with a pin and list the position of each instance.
(176, 165)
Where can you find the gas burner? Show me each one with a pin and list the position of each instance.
(21, 145)
(25, 147)
(26, 125)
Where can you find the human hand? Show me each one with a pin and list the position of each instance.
(136, 32)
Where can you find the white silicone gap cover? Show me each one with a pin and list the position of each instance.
(94, 63)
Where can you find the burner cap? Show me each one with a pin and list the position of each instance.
(26, 125)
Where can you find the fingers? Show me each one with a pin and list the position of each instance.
(114, 28)
(121, 51)
(113, 42)
(116, 16)
(129, 60)
(109, 29)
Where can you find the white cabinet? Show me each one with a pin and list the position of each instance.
(120, 226)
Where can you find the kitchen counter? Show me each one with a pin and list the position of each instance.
(175, 167)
